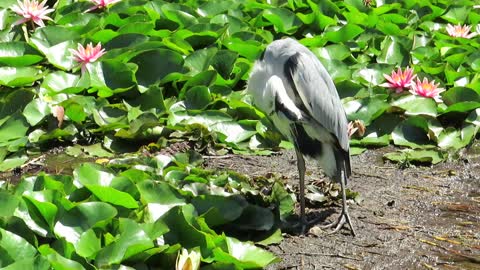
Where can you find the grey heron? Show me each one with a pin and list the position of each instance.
(290, 85)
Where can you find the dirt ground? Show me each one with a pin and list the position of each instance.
(423, 217)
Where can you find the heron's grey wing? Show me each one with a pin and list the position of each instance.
(312, 83)
(282, 102)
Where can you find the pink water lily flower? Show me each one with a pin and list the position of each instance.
(32, 10)
(88, 54)
(460, 31)
(100, 4)
(427, 89)
(399, 80)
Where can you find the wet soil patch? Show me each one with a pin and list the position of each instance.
(424, 217)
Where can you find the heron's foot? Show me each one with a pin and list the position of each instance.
(343, 219)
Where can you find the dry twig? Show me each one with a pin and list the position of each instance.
(335, 255)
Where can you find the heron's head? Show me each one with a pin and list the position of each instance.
(280, 50)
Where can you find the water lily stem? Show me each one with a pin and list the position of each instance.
(25, 33)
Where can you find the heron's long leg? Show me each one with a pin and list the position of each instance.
(344, 216)
(301, 175)
(344, 204)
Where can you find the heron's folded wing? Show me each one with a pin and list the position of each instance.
(312, 83)
(281, 101)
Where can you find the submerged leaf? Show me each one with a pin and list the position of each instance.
(422, 156)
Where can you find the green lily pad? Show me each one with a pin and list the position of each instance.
(113, 196)
(244, 255)
(43, 212)
(131, 240)
(84, 216)
(63, 82)
(155, 65)
(409, 155)
(58, 261)
(367, 109)
(14, 248)
(392, 51)
(412, 133)
(9, 203)
(283, 20)
(200, 60)
(415, 105)
(343, 34)
(92, 174)
(35, 111)
(219, 210)
(19, 76)
(18, 54)
(14, 128)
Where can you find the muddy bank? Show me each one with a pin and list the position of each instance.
(423, 217)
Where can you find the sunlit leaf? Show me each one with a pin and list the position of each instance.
(92, 174)
(415, 105)
(283, 20)
(456, 14)
(20, 76)
(14, 128)
(14, 248)
(179, 219)
(35, 111)
(233, 131)
(423, 156)
(13, 161)
(160, 197)
(113, 196)
(367, 109)
(131, 241)
(244, 255)
(40, 208)
(84, 216)
(342, 34)
(58, 261)
(88, 244)
(200, 60)
(250, 49)
(9, 203)
(392, 51)
(18, 54)
(175, 13)
(64, 82)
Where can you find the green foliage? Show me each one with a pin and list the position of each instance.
(111, 216)
(165, 62)
(173, 66)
